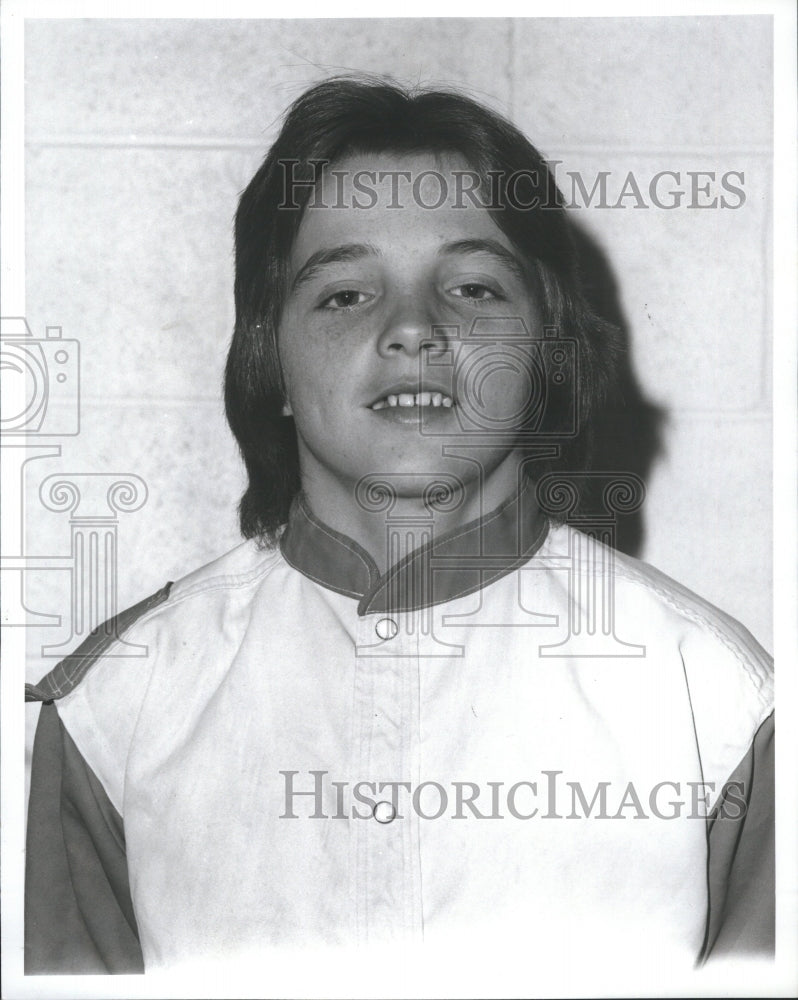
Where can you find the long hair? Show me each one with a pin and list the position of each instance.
(344, 116)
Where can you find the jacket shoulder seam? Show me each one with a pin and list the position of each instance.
(68, 673)
(224, 581)
(706, 618)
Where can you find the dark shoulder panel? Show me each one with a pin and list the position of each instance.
(67, 674)
(741, 864)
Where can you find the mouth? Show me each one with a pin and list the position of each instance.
(408, 400)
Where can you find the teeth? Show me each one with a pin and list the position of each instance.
(411, 399)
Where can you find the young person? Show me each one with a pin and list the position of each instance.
(413, 704)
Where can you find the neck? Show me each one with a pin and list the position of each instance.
(389, 522)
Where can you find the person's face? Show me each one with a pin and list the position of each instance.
(376, 377)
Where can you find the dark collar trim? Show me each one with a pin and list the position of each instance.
(445, 581)
(324, 555)
(453, 565)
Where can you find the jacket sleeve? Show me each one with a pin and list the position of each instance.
(78, 911)
(741, 864)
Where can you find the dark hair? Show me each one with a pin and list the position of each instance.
(343, 116)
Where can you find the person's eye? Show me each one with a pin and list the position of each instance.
(344, 299)
(475, 291)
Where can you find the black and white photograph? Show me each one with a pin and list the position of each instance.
(397, 534)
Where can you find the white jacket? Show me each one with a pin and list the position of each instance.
(553, 725)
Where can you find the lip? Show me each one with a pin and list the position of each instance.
(415, 416)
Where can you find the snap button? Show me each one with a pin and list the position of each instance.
(386, 628)
(384, 812)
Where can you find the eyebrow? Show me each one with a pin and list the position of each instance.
(333, 255)
(486, 246)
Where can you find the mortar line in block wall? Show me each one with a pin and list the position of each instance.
(511, 62)
(260, 143)
(768, 319)
(756, 414)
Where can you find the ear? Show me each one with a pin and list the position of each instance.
(287, 411)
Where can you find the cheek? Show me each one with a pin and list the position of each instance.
(306, 344)
(320, 356)
(301, 358)
(498, 386)
(313, 379)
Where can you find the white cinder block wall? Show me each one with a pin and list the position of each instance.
(141, 134)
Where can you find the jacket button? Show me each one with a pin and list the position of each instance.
(386, 628)
(384, 812)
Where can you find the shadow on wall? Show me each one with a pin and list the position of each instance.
(628, 432)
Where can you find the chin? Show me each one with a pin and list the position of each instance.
(439, 486)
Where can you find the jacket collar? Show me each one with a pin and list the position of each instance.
(451, 565)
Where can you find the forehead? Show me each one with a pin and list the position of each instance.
(395, 201)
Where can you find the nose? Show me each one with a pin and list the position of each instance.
(409, 327)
